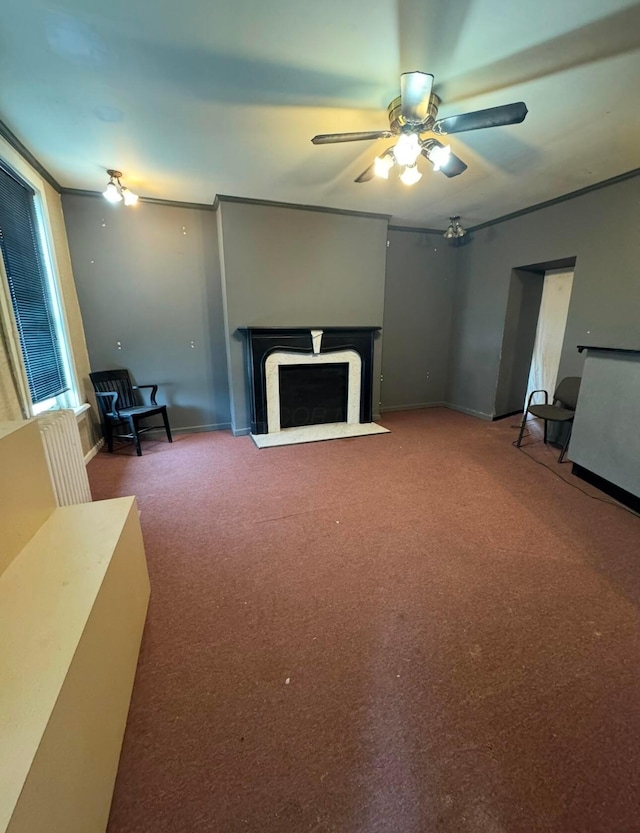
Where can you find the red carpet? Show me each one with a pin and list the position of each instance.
(421, 631)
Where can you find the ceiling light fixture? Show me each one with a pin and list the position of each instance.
(116, 191)
(455, 230)
(439, 155)
(129, 197)
(111, 192)
(407, 149)
(383, 164)
(410, 175)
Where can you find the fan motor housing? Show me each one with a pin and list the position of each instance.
(397, 120)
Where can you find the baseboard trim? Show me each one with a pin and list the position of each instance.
(194, 429)
(201, 429)
(469, 412)
(93, 451)
(506, 416)
(240, 432)
(612, 489)
(414, 407)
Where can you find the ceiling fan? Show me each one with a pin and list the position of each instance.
(413, 113)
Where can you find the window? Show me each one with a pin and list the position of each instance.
(33, 295)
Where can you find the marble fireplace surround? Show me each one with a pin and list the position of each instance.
(270, 347)
(278, 358)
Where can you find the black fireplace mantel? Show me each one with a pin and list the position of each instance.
(261, 341)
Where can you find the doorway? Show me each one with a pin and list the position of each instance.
(552, 322)
(534, 326)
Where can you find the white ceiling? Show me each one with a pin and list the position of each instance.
(203, 97)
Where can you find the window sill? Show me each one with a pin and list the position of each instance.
(81, 411)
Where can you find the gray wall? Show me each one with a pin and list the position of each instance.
(605, 437)
(418, 304)
(291, 267)
(149, 277)
(521, 320)
(601, 230)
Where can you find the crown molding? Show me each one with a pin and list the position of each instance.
(556, 200)
(26, 154)
(416, 229)
(220, 198)
(79, 192)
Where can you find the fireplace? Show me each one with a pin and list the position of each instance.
(306, 377)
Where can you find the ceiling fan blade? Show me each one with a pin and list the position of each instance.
(367, 175)
(415, 91)
(429, 32)
(605, 37)
(454, 166)
(333, 138)
(479, 119)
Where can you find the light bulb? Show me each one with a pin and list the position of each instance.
(111, 193)
(129, 197)
(439, 156)
(407, 149)
(410, 175)
(382, 165)
(455, 229)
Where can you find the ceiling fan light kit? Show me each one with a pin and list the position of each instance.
(413, 113)
(117, 192)
(407, 149)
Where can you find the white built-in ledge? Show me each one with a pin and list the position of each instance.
(73, 598)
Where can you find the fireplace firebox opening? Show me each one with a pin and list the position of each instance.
(311, 394)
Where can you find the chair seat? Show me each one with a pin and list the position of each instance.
(552, 412)
(138, 411)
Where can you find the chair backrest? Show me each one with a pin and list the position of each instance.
(567, 392)
(105, 381)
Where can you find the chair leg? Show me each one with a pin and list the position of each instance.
(136, 438)
(566, 443)
(165, 419)
(108, 436)
(546, 422)
(522, 424)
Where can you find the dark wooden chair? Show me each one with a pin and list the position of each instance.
(562, 409)
(119, 407)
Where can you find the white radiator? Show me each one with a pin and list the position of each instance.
(63, 449)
